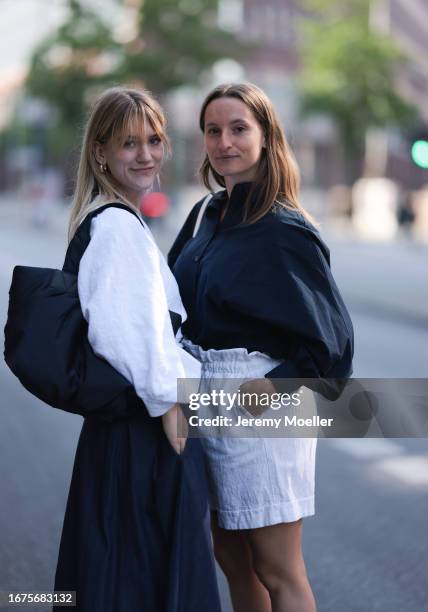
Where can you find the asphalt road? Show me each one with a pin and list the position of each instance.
(366, 549)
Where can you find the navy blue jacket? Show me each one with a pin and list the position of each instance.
(265, 286)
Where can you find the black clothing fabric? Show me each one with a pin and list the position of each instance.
(136, 535)
(265, 286)
(46, 338)
(46, 344)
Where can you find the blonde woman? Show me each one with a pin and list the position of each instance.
(262, 304)
(136, 534)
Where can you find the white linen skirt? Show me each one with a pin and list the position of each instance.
(255, 481)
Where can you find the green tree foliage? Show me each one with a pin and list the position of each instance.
(175, 42)
(70, 61)
(349, 71)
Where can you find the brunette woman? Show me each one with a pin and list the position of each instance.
(262, 304)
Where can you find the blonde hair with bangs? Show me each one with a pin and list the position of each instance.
(277, 178)
(117, 111)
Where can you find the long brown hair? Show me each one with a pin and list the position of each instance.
(112, 116)
(277, 177)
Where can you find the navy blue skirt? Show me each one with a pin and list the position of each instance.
(136, 534)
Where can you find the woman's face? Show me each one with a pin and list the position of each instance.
(233, 139)
(133, 162)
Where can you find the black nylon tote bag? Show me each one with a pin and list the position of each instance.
(46, 340)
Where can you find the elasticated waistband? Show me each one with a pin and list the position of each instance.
(229, 360)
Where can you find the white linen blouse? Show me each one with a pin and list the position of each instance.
(126, 290)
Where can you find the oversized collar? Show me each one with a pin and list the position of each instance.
(235, 204)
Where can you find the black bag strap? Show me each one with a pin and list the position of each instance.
(82, 237)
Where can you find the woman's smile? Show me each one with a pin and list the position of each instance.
(143, 171)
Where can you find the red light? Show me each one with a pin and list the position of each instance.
(155, 204)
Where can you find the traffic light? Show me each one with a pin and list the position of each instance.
(419, 148)
(420, 153)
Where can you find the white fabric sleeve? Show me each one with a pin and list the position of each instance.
(123, 299)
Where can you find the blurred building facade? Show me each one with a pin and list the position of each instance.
(270, 29)
(407, 22)
(269, 25)
(274, 65)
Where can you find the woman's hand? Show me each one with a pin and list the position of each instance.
(171, 421)
(262, 388)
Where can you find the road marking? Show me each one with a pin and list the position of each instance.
(388, 459)
(411, 470)
(367, 448)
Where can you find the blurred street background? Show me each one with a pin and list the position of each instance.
(350, 83)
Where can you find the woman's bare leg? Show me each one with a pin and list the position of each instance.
(233, 554)
(278, 562)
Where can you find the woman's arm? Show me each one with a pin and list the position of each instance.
(123, 299)
(314, 317)
(289, 287)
